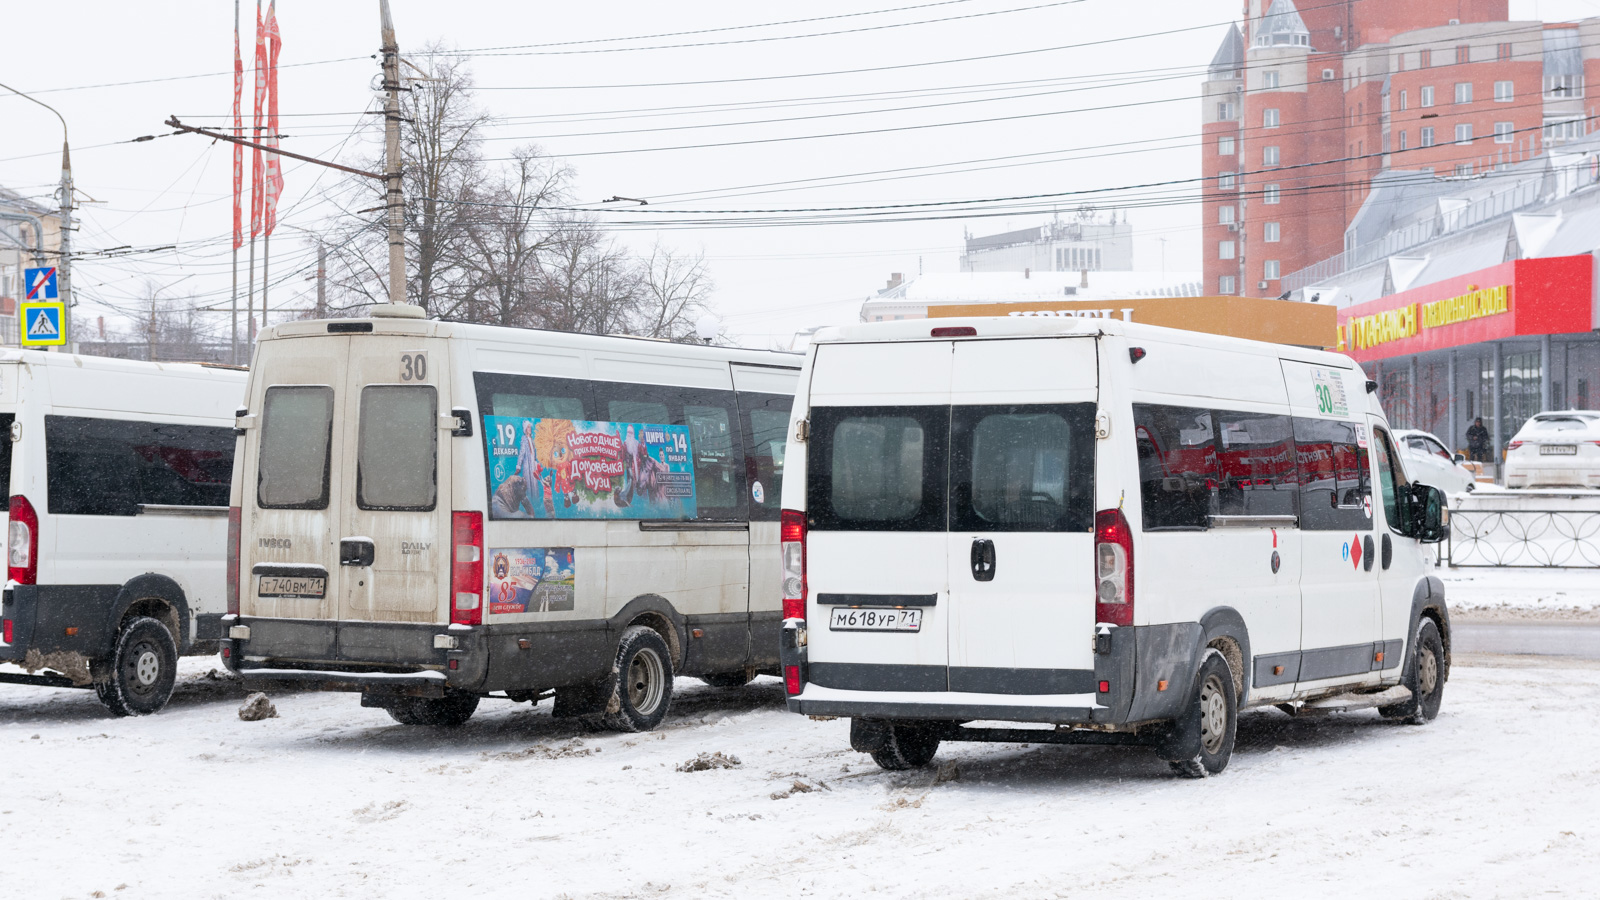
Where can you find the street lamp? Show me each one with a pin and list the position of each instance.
(65, 265)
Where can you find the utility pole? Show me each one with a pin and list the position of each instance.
(322, 281)
(64, 265)
(392, 179)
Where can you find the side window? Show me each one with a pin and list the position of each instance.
(718, 465)
(877, 468)
(111, 467)
(1177, 465)
(1256, 465)
(766, 432)
(527, 396)
(1390, 480)
(1334, 483)
(1022, 468)
(296, 436)
(1438, 450)
(397, 447)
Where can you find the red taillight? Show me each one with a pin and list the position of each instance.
(466, 569)
(1113, 568)
(791, 679)
(22, 540)
(793, 548)
(1513, 445)
(235, 526)
(5, 631)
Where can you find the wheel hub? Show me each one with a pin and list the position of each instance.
(147, 668)
(1428, 672)
(1213, 714)
(645, 682)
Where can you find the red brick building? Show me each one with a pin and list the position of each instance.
(1304, 106)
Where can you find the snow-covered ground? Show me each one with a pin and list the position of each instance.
(1495, 798)
(1522, 593)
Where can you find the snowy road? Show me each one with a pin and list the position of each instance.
(1538, 638)
(1495, 798)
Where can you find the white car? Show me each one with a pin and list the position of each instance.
(1556, 449)
(1427, 460)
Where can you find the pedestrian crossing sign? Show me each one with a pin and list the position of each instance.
(41, 324)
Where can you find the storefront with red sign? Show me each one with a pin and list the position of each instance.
(1499, 344)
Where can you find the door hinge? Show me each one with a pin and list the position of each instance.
(802, 431)
(1102, 426)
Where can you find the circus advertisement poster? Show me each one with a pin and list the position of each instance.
(531, 579)
(541, 468)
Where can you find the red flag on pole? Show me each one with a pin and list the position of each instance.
(274, 179)
(238, 131)
(257, 172)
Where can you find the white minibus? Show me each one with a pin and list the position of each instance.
(430, 513)
(116, 473)
(1112, 532)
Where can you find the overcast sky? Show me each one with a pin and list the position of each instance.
(1060, 108)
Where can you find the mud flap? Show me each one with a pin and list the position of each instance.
(872, 735)
(582, 700)
(1179, 739)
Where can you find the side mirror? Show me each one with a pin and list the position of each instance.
(1429, 518)
(1460, 457)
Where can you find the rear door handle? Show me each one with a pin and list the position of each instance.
(983, 559)
(356, 552)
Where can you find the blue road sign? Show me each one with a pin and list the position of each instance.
(41, 324)
(41, 283)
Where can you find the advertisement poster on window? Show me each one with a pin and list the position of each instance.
(531, 579)
(572, 469)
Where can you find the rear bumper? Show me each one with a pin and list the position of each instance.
(1552, 471)
(1146, 672)
(372, 657)
(51, 618)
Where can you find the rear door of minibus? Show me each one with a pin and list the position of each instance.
(876, 542)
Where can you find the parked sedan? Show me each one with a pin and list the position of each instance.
(1427, 461)
(1556, 449)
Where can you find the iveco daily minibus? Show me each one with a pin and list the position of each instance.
(1122, 531)
(116, 475)
(430, 513)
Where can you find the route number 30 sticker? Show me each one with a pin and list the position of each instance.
(414, 366)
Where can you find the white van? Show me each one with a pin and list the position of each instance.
(430, 512)
(1122, 531)
(117, 475)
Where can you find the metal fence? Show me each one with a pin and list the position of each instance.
(1524, 538)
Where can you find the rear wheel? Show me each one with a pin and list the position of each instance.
(1214, 713)
(641, 683)
(729, 679)
(908, 747)
(141, 671)
(1425, 677)
(449, 711)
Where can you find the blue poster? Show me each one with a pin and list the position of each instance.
(531, 579)
(572, 469)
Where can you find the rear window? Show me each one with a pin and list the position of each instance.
(112, 467)
(878, 468)
(1022, 468)
(1563, 423)
(296, 434)
(397, 457)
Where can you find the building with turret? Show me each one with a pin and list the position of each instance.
(1306, 105)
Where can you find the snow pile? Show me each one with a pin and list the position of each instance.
(707, 761)
(1535, 593)
(257, 707)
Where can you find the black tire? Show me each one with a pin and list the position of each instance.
(908, 747)
(1426, 673)
(143, 667)
(729, 679)
(450, 711)
(1213, 712)
(641, 682)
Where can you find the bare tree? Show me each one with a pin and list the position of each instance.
(511, 235)
(586, 282)
(165, 329)
(675, 289)
(442, 168)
